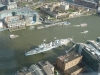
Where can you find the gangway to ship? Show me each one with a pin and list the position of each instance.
(72, 41)
(67, 51)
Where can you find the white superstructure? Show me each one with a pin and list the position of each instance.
(85, 31)
(83, 25)
(12, 36)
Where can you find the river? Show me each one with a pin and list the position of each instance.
(12, 51)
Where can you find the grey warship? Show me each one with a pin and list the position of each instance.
(46, 47)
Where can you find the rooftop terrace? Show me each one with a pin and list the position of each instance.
(69, 57)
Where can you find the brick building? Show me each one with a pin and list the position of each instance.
(71, 64)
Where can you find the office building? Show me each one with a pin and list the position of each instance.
(36, 17)
(2, 7)
(15, 23)
(91, 55)
(5, 13)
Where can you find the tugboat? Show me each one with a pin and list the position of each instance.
(32, 27)
(40, 27)
(66, 23)
(85, 31)
(12, 36)
(83, 25)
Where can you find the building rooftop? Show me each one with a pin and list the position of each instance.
(24, 71)
(24, 9)
(70, 1)
(91, 1)
(89, 48)
(64, 3)
(5, 11)
(47, 67)
(14, 19)
(69, 57)
(1, 5)
(95, 44)
(86, 3)
(35, 70)
(19, 74)
(75, 68)
(98, 38)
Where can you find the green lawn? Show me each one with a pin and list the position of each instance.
(71, 10)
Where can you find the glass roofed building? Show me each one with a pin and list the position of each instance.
(91, 55)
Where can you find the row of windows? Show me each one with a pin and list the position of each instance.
(90, 61)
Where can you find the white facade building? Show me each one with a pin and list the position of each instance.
(64, 6)
(15, 23)
(5, 13)
(98, 9)
(1, 25)
(11, 4)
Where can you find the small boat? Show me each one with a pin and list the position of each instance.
(32, 27)
(12, 36)
(84, 37)
(40, 27)
(85, 31)
(46, 26)
(66, 23)
(76, 25)
(2, 29)
(83, 25)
